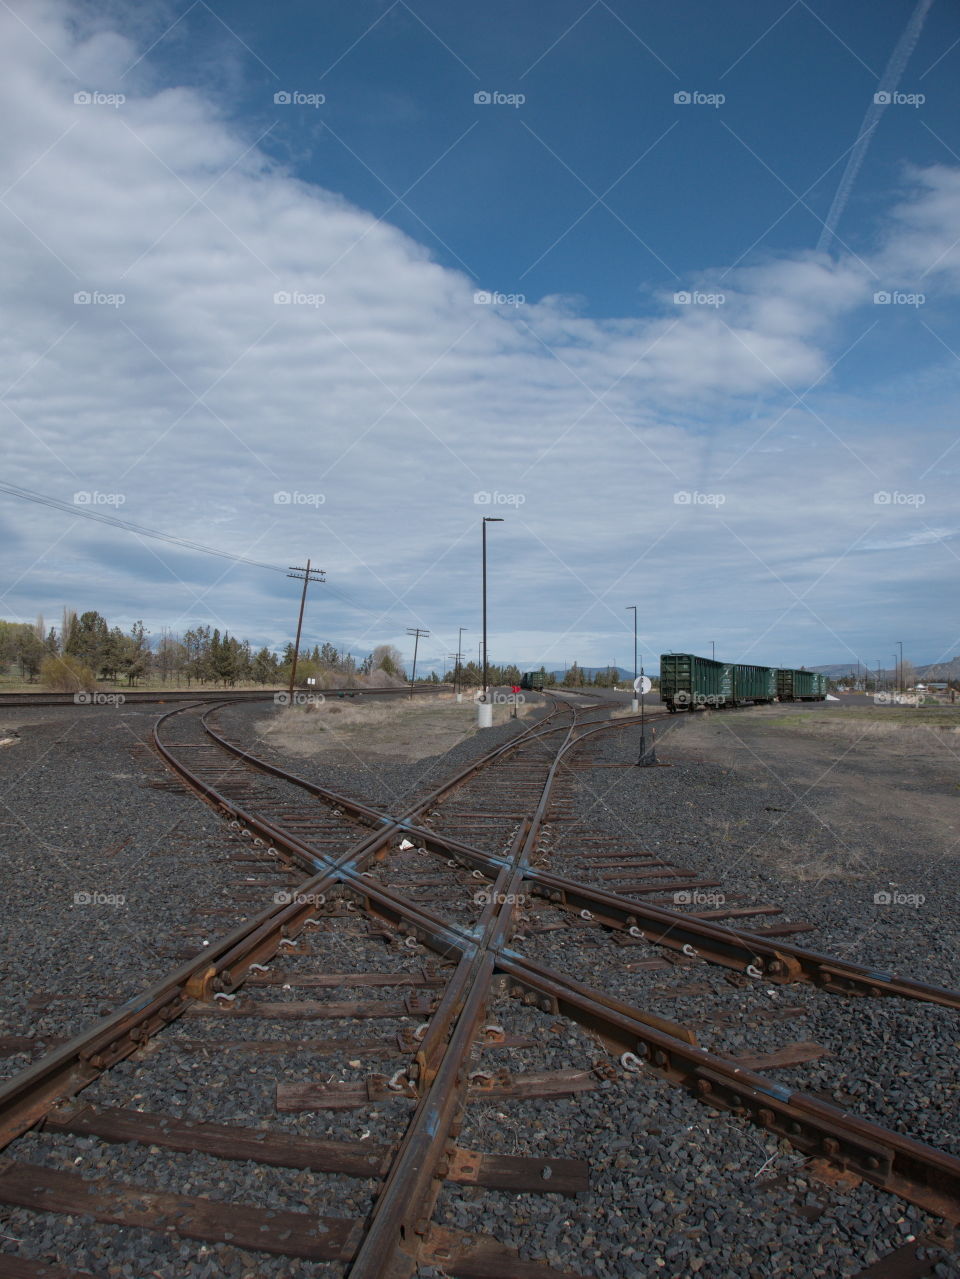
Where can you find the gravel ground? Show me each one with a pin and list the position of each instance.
(110, 882)
(394, 784)
(747, 815)
(672, 1182)
(103, 869)
(673, 1185)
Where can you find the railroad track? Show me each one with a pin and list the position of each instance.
(135, 696)
(436, 907)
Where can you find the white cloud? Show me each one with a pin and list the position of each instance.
(199, 397)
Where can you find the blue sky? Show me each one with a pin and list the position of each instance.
(770, 465)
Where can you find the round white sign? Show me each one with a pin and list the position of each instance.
(642, 684)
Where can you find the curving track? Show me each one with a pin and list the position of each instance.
(432, 904)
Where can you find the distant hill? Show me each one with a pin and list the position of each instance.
(935, 671)
(590, 671)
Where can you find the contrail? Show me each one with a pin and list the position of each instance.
(888, 85)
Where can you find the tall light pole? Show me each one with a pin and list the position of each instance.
(713, 651)
(633, 608)
(900, 680)
(487, 519)
(896, 675)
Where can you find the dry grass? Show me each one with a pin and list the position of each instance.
(900, 726)
(366, 729)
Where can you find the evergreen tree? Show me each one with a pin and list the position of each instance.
(264, 667)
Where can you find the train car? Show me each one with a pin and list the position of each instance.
(688, 682)
(532, 680)
(801, 686)
(754, 684)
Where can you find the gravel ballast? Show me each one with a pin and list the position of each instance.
(676, 1188)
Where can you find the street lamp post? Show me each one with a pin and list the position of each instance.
(485, 710)
(896, 675)
(633, 608)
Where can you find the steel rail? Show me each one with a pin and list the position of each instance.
(732, 947)
(921, 1173)
(143, 696)
(912, 1169)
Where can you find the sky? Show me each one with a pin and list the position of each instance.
(672, 290)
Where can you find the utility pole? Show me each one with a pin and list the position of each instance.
(307, 574)
(713, 651)
(900, 680)
(418, 634)
(458, 682)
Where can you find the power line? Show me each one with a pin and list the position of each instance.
(128, 526)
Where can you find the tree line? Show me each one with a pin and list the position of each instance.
(86, 650)
(470, 674)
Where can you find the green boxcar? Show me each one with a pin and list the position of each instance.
(688, 682)
(801, 686)
(754, 683)
(532, 680)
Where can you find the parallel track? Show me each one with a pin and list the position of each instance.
(453, 874)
